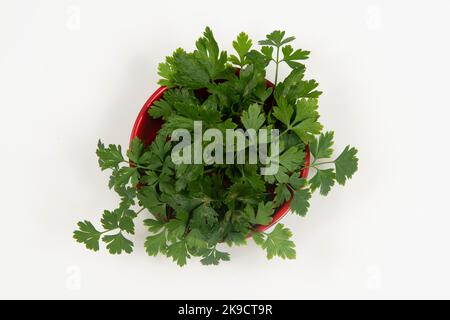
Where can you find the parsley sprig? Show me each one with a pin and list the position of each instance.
(195, 210)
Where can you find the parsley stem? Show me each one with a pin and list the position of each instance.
(314, 165)
(277, 64)
(283, 133)
(320, 163)
(106, 231)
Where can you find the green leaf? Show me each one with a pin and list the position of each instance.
(174, 100)
(181, 203)
(282, 194)
(242, 46)
(135, 151)
(214, 256)
(263, 215)
(262, 93)
(296, 182)
(292, 159)
(204, 214)
(123, 176)
(300, 202)
(324, 179)
(283, 111)
(127, 195)
(148, 198)
(307, 129)
(183, 70)
(126, 222)
(110, 220)
(178, 252)
(195, 239)
(156, 243)
(346, 165)
(88, 235)
(267, 51)
(278, 243)
(150, 179)
(306, 109)
(116, 244)
(290, 140)
(256, 181)
(187, 173)
(282, 175)
(253, 118)
(109, 158)
(287, 40)
(294, 87)
(291, 57)
(276, 39)
(153, 226)
(160, 109)
(236, 238)
(209, 56)
(176, 229)
(160, 147)
(259, 238)
(322, 148)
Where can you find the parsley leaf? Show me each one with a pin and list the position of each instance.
(135, 151)
(291, 57)
(282, 194)
(346, 165)
(283, 111)
(277, 243)
(214, 256)
(178, 252)
(292, 158)
(110, 220)
(300, 202)
(117, 243)
(184, 70)
(263, 215)
(204, 214)
(110, 157)
(294, 87)
(253, 118)
(324, 179)
(322, 148)
(242, 46)
(305, 123)
(276, 39)
(88, 235)
(156, 244)
(148, 198)
(195, 240)
(267, 51)
(153, 225)
(209, 55)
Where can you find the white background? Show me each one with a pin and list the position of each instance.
(75, 71)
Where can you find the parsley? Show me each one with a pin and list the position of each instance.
(193, 211)
(277, 242)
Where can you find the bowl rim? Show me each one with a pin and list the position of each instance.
(138, 129)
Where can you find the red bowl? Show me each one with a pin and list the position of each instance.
(146, 129)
